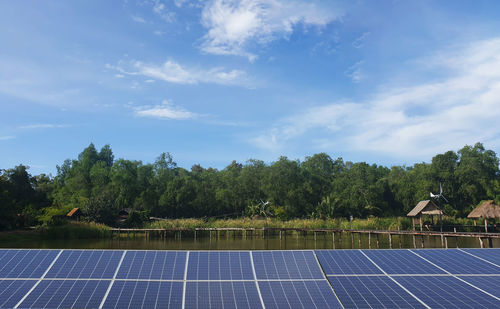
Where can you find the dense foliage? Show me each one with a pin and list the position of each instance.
(318, 187)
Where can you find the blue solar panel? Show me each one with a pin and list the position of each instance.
(457, 262)
(345, 262)
(371, 292)
(401, 262)
(446, 292)
(145, 294)
(162, 265)
(66, 294)
(25, 263)
(286, 265)
(490, 284)
(298, 294)
(226, 265)
(79, 264)
(12, 291)
(491, 255)
(222, 294)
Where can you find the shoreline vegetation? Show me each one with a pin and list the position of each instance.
(318, 192)
(92, 230)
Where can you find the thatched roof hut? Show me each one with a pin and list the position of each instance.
(426, 207)
(486, 210)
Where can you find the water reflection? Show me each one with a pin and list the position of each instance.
(270, 242)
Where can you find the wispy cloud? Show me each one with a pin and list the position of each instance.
(160, 9)
(360, 41)
(138, 19)
(415, 121)
(6, 137)
(172, 72)
(42, 126)
(355, 72)
(166, 110)
(233, 25)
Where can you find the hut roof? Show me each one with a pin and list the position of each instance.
(487, 210)
(74, 212)
(426, 207)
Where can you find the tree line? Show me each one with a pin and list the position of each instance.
(318, 187)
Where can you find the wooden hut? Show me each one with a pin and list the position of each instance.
(426, 207)
(486, 210)
(74, 214)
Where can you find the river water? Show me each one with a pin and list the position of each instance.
(231, 242)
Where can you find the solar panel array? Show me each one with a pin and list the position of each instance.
(424, 278)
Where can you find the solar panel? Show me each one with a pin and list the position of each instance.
(447, 292)
(25, 263)
(79, 264)
(164, 265)
(490, 284)
(66, 294)
(343, 262)
(457, 262)
(12, 291)
(227, 265)
(144, 294)
(372, 292)
(298, 294)
(286, 265)
(401, 262)
(491, 255)
(222, 294)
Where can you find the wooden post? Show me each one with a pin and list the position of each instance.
(485, 225)
(414, 242)
(446, 242)
(442, 241)
(413, 221)
(399, 238)
(359, 240)
(420, 222)
(352, 240)
(423, 244)
(194, 234)
(333, 239)
(481, 242)
(314, 237)
(390, 240)
(280, 234)
(369, 240)
(490, 242)
(378, 244)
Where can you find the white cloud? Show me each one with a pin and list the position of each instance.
(173, 72)
(166, 110)
(138, 19)
(415, 121)
(355, 72)
(360, 41)
(160, 9)
(233, 24)
(6, 137)
(42, 126)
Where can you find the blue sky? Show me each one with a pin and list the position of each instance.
(387, 82)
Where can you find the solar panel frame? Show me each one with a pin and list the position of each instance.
(286, 265)
(154, 264)
(374, 291)
(86, 264)
(491, 255)
(346, 262)
(222, 294)
(144, 294)
(447, 292)
(12, 291)
(455, 261)
(66, 294)
(490, 284)
(401, 261)
(25, 263)
(298, 294)
(219, 265)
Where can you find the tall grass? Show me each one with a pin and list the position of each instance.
(75, 230)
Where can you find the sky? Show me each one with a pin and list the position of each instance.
(390, 82)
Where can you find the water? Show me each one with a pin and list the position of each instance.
(230, 242)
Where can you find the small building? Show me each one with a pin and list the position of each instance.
(486, 210)
(426, 207)
(74, 214)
